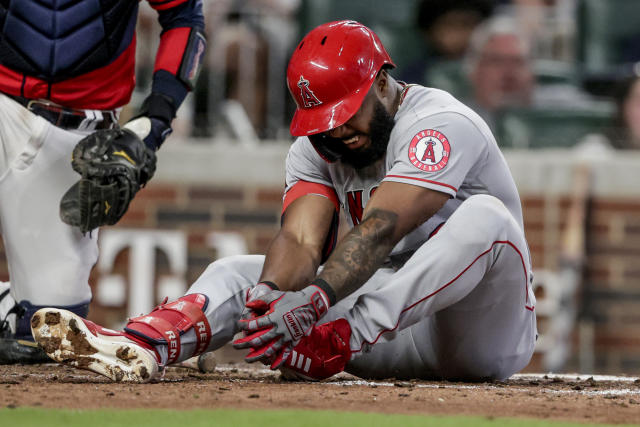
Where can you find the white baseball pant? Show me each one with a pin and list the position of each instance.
(49, 261)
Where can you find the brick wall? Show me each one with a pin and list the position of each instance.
(202, 189)
(608, 299)
(198, 210)
(195, 210)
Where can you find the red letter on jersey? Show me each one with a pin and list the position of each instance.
(354, 201)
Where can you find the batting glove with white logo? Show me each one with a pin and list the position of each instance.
(280, 319)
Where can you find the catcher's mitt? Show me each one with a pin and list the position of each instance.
(114, 165)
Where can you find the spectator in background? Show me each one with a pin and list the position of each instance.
(251, 40)
(549, 22)
(500, 70)
(627, 135)
(445, 26)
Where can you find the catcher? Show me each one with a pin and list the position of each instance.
(61, 91)
(432, 280)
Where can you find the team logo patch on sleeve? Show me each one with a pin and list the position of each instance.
(429, 150)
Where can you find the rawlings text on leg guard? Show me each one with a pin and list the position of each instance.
(168, 322)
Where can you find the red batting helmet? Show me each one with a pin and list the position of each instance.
(330, 72)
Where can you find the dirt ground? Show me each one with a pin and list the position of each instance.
(574, 398)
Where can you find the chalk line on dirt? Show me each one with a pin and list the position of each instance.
(600, 379)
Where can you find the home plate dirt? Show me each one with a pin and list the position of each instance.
(603, 399)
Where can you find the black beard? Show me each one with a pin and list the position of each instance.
(379, 131)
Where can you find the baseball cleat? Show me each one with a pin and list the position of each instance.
(68, 338)
(14, 351)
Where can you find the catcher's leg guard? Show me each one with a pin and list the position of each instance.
(13, 350)
(8, 312)
(16, 341)
(23, 322)
(177, 330)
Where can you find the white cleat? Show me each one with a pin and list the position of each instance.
(68, 338)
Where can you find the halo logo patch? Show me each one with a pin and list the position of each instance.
(309, 99)
(429, 150)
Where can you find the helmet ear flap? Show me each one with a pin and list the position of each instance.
(327, 147)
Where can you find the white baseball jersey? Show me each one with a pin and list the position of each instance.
(461, 306)
(436, 143)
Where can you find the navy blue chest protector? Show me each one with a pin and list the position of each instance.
(59, 39)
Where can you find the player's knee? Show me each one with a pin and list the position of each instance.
(231, 263)
(488, 205)
(488, 212)
(227, 262)
(233, 271)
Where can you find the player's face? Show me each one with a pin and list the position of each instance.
(354, 134)
(365, 135)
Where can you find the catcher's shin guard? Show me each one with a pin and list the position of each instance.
(23, 323)
(320, 355)
(174, 328)
(68, 338)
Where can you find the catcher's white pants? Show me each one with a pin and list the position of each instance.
(460, 308)
(49, 261)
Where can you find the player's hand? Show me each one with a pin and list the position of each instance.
(151, 130)
(278, 320)
(254, 293)
(114, 164)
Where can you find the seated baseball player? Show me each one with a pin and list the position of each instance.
(432, 281)
(66, 167)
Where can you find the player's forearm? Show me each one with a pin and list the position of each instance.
(360, 253)
(178, 59)
(290, 264)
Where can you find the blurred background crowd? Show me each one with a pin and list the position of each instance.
(543, 73)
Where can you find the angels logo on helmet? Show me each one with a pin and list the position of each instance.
(309, 99)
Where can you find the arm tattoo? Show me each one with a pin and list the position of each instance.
(360, 253)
